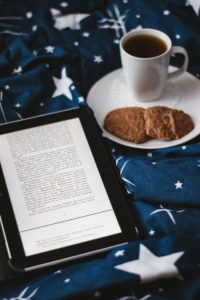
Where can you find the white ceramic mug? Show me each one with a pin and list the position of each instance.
(146, 76)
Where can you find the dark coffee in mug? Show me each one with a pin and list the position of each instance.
(144, 46)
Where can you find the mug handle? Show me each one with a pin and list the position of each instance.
(180, 50)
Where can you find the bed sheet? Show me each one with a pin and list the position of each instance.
(51, 53)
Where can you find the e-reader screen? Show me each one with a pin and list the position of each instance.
(55, 188)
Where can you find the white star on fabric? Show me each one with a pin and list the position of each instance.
(41, 104)
(81, 99)
(166, 12)
(119, 253)
(151, 267)
(58, 272)
(178, 36)
(184, 147)
(149, 154)
(76, 43)
(86, 34)
(98, 59)
(17, 105)
(64, 4)
(7, 87)
(67, 280)
(29, 14)
(62, 85)
(178, 185)
(138, 16)
(71, 21)
(151, 232)
(17, 70)
(34, 28)
(49, 49)
(35, 53)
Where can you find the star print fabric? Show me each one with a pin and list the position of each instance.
(51, 53)
(163, 177)
(164, 188)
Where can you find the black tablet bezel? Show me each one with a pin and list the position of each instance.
(110, 179)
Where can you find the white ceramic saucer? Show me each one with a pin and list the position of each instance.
(111, 92)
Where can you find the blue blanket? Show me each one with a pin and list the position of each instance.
(51, 53)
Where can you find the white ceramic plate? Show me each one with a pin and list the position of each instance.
(111, 92)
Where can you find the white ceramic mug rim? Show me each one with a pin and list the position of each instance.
(148, 31)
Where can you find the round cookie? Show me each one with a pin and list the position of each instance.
(183, 123)
(127, 123)
(167, 124)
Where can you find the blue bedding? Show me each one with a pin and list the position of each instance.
(51, 53)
